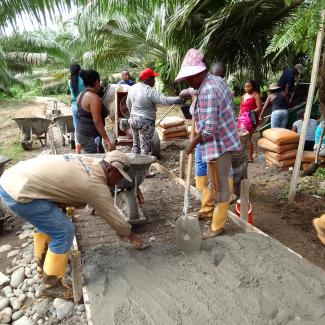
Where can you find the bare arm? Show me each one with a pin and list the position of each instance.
(197, 139)
(265, 106)
(258, 102)
(95, 109)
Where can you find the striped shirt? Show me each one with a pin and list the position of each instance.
(142, 100)
(214, 118)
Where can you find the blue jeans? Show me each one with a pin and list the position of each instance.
(74, 110)
(200, 165)
(47, 218)
(279, 118)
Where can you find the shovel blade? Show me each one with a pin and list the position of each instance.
(188, 234)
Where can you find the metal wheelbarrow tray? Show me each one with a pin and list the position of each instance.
(127, 196)
(65, 124)
(32, 128)
(3, 161)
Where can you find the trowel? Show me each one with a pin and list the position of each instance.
(187, 227)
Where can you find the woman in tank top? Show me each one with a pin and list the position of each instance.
(251, 103)
(278, 101)
(91, 115)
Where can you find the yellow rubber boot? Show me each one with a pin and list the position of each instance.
(41, 242)
(201, 182)
(231, 188)
(218, 221)
(207, 204)
(53, 273)
(319, 224)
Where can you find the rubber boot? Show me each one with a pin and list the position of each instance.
(218, 221)
(41, 242)
(319, 224)
(53, 273)
(231, 189)
(201, 182)
(207, 205)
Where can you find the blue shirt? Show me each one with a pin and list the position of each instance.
(311, 128)
(318, 133)
(287, 78)
(130, 82)
(80, 88)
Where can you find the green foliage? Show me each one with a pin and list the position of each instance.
(311, 184)
(298, 32)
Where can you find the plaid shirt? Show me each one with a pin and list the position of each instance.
(214, 118)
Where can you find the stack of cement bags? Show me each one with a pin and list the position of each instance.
(172, 127)
(280, 147)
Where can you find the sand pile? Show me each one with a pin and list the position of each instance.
(244, 279)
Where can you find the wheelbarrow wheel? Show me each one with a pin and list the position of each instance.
(27, 145)
(112, 139)
(155, 145)
(126, 202)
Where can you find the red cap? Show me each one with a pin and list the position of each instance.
(147, 73)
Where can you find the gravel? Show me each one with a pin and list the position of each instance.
(17, 277)
(62, 307)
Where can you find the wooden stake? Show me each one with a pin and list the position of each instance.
(311, 91)
(244, 199)
(76, 276)
(182, 161)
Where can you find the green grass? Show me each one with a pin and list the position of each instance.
(12, 103)
(11, 148)
(64, 98)
(237, 100)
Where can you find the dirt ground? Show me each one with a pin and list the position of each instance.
(290, 224)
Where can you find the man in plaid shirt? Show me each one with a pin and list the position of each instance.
(216, 131)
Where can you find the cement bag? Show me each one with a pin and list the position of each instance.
(283, 156)
(281, 164)
(281, 136)
(271, 146)
(180, 134)
(173, 129)
(309, 156)
(171, 121)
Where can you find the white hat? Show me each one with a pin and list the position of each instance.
(274, 86)
(120, 161)
(300, 68)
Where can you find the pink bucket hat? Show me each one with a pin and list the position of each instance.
(192, 65)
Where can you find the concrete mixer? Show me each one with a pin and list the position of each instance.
(114, 99)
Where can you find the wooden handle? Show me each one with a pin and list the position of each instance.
(190, 159)
(165, 114)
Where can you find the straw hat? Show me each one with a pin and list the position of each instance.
(274, 86)
(300, 68)
(192, 65)
(120, 161)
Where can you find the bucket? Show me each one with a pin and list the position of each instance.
(186, 112)
(250, 214)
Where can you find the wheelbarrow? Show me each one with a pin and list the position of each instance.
(127, 196)
(114, 99)
(3, 161)
(65, 124)
(32, 128)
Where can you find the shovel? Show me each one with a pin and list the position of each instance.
(187, 228)
(315, 165)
